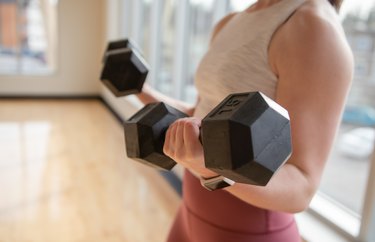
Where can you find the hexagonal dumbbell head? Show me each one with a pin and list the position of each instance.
(145, 134)
(246, 138)
(124, 70)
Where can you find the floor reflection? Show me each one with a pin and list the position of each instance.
(64, 177)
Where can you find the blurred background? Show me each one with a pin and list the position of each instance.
(55, 115)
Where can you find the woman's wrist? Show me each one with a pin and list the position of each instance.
(211, 180)
(206, 174)
(203, 173)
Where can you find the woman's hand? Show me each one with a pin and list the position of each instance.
(182, 144)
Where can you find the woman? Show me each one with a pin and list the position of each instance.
(296, 53)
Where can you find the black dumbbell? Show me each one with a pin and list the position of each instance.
(145, 134)
(124, 69)
(246, 138)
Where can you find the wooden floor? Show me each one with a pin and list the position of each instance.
(64, 177)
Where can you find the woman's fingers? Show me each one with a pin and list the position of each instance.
(182, 139)
(179, 140)
(169, 141)
(191, 136)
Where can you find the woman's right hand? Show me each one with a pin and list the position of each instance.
(182, 144)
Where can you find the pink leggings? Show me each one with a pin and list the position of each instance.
(218, 216)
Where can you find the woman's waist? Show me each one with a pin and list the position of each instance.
(224, 210)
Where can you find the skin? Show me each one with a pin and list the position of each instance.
(314, 65)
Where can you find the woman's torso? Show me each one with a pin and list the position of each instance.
(237, 61)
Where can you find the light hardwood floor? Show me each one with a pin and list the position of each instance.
(64, 177)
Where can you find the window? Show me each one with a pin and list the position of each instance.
(346, 175)
(27, 36)
(152, 28)
(177, 34)
(199, 26)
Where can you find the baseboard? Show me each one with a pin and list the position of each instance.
(113, 111)
(50, 97)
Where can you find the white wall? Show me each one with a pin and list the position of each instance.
(81, 41)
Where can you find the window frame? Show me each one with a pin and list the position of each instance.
(367, 223)
(180, 70)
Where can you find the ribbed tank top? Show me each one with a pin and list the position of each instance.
(237, 60)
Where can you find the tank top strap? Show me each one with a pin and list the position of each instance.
(277, 14)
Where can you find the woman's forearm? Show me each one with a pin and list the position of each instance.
(149, 95)
(290, 190)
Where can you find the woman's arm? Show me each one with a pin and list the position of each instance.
(315, 67)
(150, 95)
(314, 64)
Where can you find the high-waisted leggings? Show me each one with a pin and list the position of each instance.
(219, 216)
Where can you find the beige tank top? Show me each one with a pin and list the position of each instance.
(237, 60)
